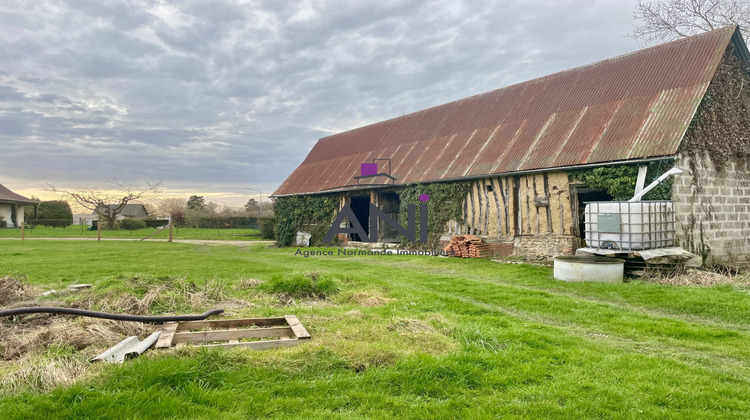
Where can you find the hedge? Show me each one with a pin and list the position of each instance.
(50, 222)
(228, 222)
(132, 224)
(266, 225)
(155, 223)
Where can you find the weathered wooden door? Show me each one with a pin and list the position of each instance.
(390, 204)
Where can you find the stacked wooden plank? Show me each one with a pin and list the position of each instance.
(468, 246)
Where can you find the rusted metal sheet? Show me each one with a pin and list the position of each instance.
(635, 106)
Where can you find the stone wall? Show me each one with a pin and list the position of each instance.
(543, 247)
(713, 210)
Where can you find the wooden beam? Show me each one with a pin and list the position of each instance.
(165, 340)
(299, 331)
(191, 337)
(230, 323)
(258, 345)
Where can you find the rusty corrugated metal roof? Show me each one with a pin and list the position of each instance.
(635, 106)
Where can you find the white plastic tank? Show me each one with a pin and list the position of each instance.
(303, 239)
(588, 268)
(629, 226)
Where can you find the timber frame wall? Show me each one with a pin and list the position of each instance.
(508, 206)
(531, 215)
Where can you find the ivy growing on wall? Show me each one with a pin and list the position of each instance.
(719, 133)
(619, 181)
(445, 203)
(310, 213)
(720, 130)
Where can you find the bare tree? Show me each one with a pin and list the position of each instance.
(672, 19)
(252, 206)
(170, 205)
(108, 202)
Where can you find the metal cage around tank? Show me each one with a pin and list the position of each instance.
(629, 226)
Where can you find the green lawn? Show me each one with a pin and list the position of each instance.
(178, 233)
(397, 337)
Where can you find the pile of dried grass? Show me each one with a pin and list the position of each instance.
(43, 372)
(29, 350)
(411, 326)
(78, 333)
(369, 299)
(13, 289)
(701, 278)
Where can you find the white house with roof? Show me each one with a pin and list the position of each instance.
(12, 206)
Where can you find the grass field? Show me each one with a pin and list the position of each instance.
(178, 233)
(393, 336)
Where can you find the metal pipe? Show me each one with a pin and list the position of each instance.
(651, 186)
(105, 315)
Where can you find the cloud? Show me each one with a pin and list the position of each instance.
(224, 95)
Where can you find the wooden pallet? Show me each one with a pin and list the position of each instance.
(285, 331)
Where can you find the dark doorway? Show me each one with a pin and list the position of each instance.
(390, 204)
(586, 195)
(361, 207)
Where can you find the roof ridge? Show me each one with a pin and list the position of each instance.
(626, 108)
(626, 55)
(541, 78)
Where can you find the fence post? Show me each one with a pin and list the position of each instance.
(170, 230)
(23, 231)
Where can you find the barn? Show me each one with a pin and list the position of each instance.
(516, 165)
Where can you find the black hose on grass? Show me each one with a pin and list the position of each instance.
(105, 315)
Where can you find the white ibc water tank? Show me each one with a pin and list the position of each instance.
(629, 226)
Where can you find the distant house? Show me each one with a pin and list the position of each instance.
(12, 206)
(137, 211)
(84, 219)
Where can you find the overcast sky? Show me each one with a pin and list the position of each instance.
(218, 96)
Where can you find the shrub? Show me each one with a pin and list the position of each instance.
(155, 223)
(3, 223)
(50, 222)
(132, 224)
(178, 218)
(307, 285)
(54, 210)
(266, 224)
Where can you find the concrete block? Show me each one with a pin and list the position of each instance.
(684, 189)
